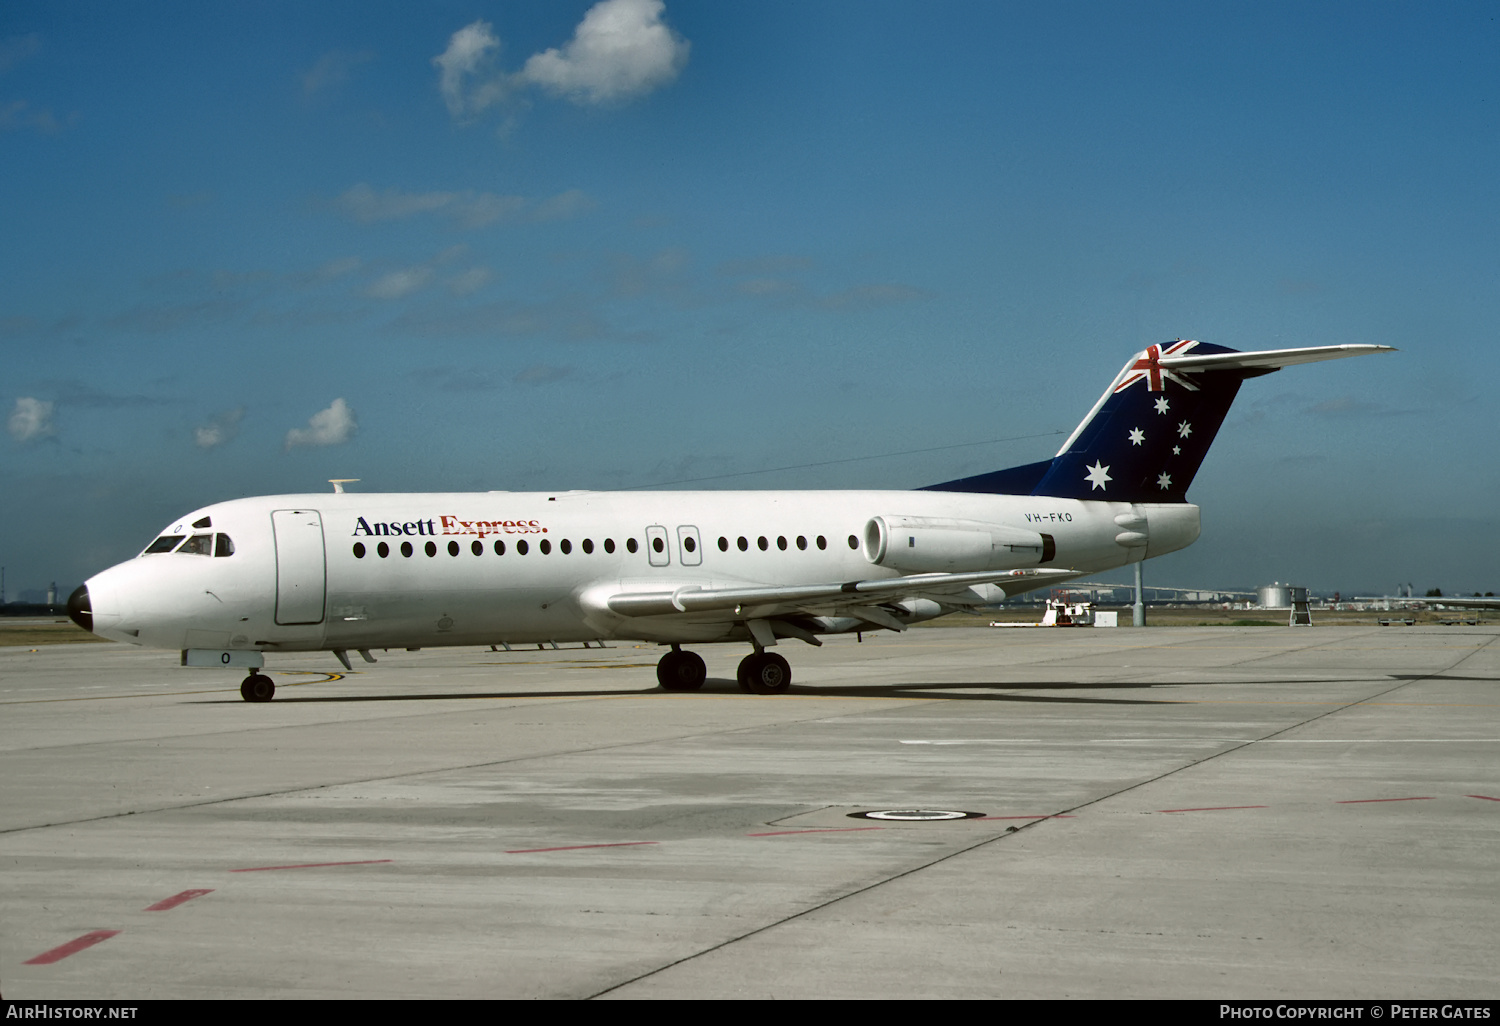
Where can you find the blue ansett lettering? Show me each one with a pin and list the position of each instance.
(385, 530)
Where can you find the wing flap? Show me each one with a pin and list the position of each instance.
(693, 599)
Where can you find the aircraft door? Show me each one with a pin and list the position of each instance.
(689, 548)
(656, 546)
(301, 577)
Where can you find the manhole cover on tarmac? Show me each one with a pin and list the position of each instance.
(916, 815)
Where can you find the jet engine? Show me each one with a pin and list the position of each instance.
(941, 545)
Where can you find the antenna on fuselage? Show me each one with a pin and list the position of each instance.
(339, 482)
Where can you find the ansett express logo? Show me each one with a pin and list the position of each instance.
(450, 525)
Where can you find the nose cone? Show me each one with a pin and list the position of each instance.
(79, 609)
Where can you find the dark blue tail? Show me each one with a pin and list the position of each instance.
(1142, 442)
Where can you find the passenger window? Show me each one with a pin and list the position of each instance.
(609, 545)
(453, 548)
(588, 546)
(477, 548)
(166, 543)
(761, 541)
(743, 544)
(723, 544)
(630, 544)
(521, 548)
(199, 545)
(545, 546)
(359, 550)
(565, 546)
(822, 542)
(781, 542)
(223, 546)
(801, 542)
(499, 548)
(406, 549)
(383, 550)
(430, 548)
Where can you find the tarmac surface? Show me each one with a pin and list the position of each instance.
(1222, 813)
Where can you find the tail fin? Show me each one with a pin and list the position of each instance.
(1146, 437)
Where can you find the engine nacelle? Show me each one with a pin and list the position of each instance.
(941, 545)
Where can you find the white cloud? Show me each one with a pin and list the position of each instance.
(400, 283)
(466, 55)
(364, 204)
(333, 426)
(621, 49)
(220, 429)
(467, 209)
(31, 419)
(333, 70)
(15, 49)
(469, 282)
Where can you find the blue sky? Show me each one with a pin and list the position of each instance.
(448, 246)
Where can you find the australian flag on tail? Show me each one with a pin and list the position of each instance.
(1145, 438)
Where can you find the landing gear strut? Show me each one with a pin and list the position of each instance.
(764, 673)
(681, 671)
(257, 688)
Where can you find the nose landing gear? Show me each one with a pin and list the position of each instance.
(257, 688)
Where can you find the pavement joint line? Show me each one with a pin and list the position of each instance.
(694, 735)
(826, 903)
(311, 865)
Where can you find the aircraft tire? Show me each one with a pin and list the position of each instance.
(257, 688)
(767, 673)
(681, 671)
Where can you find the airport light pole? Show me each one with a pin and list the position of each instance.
(1138, 611)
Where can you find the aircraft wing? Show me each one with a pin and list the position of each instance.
(1269, 360)
(1456, 601)
(829, 598)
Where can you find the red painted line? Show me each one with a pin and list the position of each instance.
(1216, 808)
(312, 865)
(1484, 796)
(177, 899)
(1366, 801)
(576, 847)
(74, 946)
(822, 830)
(980, 818)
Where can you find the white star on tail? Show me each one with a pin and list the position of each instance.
(1184, 429)
(1165, 480)
(1098, 476)
(1162, 406)
(1137, 436)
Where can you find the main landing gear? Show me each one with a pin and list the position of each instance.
(681, 671)
(760, 673)
(257, 688)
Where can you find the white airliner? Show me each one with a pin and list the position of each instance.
(341, 572)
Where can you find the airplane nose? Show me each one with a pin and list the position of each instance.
(79, 609)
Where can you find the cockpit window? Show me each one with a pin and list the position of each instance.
(223, 546)
(166, 543)
(198, 545)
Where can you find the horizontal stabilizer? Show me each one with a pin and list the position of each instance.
(1269, 359)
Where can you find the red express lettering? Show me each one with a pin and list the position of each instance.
(483, 528)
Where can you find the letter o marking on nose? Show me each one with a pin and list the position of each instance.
(224, 658)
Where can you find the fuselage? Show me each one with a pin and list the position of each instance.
(364, 571)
